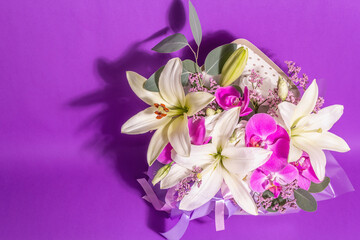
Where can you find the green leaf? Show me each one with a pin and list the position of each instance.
(184, 78)
(281, 201)
(305, 200)
(216, 59)
(152, 83)
(319, 187)
(161, 173)
(190, 66)
(195, 24)
(267, 194)
(171, 44)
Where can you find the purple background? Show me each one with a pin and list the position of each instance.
(65, 170)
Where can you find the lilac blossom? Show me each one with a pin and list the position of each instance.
(293, 72)
(197, 85)
(287, 195)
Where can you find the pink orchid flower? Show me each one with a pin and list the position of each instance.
(262, 180)
(306, 172)
(262, 131)
(229, 97)
(197, 132)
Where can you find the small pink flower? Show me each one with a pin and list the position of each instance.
(262, 180)
(262, 131)
(229, 97)
(306, 172)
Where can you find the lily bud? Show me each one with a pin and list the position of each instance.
(283, 89)
(161, 173)
(234, 66)
(210, 112)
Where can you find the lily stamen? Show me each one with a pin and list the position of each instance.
(161, 110)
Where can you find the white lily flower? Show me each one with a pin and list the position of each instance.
(168, 112)
(309, 131)
(220, 161)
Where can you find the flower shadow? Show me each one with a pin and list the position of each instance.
(114, 103)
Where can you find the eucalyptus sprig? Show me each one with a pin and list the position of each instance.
(178, 41)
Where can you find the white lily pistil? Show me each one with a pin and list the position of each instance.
(220, 161)
(168, 112)
(309, 131)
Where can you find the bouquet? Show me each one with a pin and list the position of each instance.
(235, 136)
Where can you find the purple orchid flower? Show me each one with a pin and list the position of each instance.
(262, 180)
(197, 132)
(262, 131)
(306, 172)
(229, 97)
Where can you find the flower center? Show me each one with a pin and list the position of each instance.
(161, 110)
(256, 141)
(236, 101)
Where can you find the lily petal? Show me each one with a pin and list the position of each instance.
(179, 135)
(157, 144)
(316, 155)
(196, 101)
(287, 111)
(170, 86)
(307, 102)
(211, 183)
(241, 193)
(143, 122)
(175, 175)
(324, 119)
(225, 126)
(136, 82)
(332, 142)
(294, 153)
(200, 156)
(243, 160)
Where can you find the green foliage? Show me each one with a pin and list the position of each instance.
(152, 84)
(172, 43)
(305, 200)
(319, 187)
(195, 24)
(216, 59)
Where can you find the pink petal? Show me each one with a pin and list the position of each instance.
(280, 133)
(287, 174)
(278, 159)
(225, 96)
(259, 181)
(303, 182)
(310, 174)
(245, 112)
(165, 155)
(261, 125)
(197, 131)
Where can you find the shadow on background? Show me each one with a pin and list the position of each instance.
(127, 153)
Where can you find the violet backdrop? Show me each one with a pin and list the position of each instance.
(66, 172)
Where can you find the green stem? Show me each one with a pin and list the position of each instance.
(195, 55)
